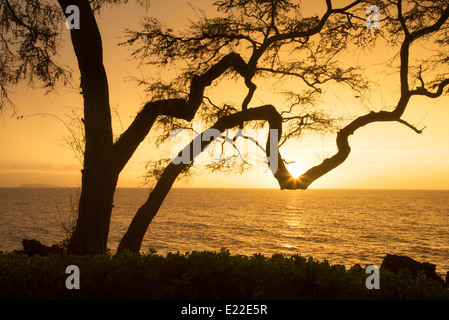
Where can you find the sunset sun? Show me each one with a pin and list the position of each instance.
(296, 169)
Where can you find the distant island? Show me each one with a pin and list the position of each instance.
(37, 185)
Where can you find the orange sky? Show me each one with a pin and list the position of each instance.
(383, 155)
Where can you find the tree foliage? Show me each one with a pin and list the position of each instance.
(29, 39)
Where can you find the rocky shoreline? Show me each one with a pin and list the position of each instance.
(391, 262)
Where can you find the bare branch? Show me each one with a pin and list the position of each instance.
(411, 126)
(424, 92)
(401, 19)
(343, 145)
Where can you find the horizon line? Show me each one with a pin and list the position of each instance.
(44, 186)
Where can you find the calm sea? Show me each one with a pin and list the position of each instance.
(343, 226)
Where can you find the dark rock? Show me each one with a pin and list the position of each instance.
(356, 268)
(34, 247)
(394, 263)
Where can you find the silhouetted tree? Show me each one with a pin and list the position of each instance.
(250, 40)
(267, 27)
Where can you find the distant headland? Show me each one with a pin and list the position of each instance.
(37, 185)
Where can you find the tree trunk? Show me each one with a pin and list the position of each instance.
(95, 207)
(98, 178)
(132, 240)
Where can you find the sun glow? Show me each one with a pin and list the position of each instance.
(295, 169)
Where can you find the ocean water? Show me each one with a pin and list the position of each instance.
(342, 226)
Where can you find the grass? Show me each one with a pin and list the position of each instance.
(202, 276)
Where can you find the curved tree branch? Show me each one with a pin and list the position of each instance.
(133, 238)
(424, 92)
(184, 109)
(342, 137)
(343, 145)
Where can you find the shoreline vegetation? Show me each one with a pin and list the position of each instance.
(38, 272)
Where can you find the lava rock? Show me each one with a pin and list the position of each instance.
(394, 263)
(33, 247)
